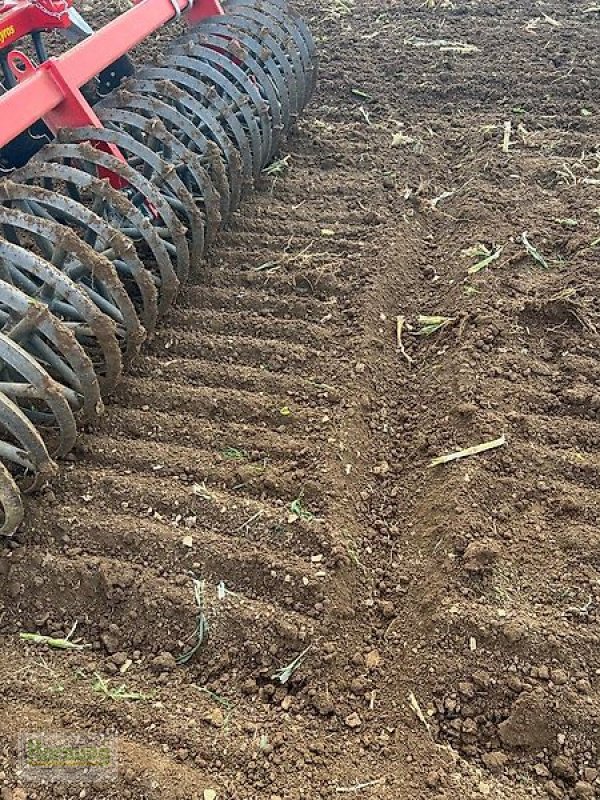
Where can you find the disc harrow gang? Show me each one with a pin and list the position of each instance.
(87, 266)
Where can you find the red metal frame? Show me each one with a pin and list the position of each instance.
(202, 9)
(51, 91)
(19, 18)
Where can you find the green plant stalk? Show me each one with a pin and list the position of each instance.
(58, 644)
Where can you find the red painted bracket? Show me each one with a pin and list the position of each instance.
(19, 18)
(51, 91)
(72, 112)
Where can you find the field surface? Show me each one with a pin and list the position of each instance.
(419, 275)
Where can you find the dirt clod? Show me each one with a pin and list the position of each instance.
(353, 720)
(584, 790)
(530, 725)
(563, 767)
(495, 760)
(111, 641)
(163, 662)
(481, 555)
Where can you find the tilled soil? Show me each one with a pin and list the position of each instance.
(274, 443)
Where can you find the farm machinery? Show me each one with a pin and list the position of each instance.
(113, 180)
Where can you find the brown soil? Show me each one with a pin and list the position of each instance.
(452, 613)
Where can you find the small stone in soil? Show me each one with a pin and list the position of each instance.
(353, 720)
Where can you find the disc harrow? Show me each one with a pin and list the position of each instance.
(102, 226)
